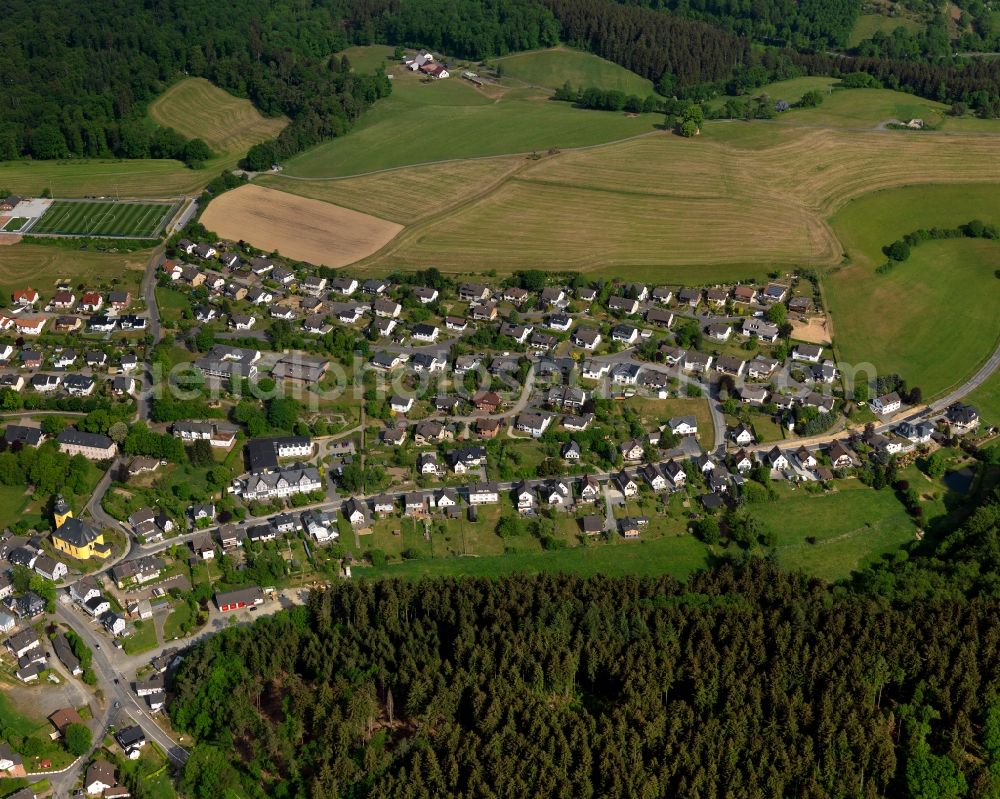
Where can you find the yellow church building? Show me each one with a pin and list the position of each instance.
(74, 537)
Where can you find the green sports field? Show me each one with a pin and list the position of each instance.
(133, 220)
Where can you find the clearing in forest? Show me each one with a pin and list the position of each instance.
(229, 125)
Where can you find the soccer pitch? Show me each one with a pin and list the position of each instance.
(130, 220)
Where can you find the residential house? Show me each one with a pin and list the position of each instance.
(473, 292)
(560, 321)
(99, 778)
(775, 292)
(962, 417)
(627, 306)
(745, 294)
(689, 297)
(730, 365)
(916, 432)
(484, 494)
(764, 331)
(719, 332)
(695, 361)
(662, 295)
(660, 318)
(50, 569)
(633, 449)
(651, 473)
(625, 484)
(752, 395)
(840, 456)
(590, 488)
(401, 404)
(524, 497)
(776, 459)
(426, 295)
(63, 300)
(683, 425)
(587, 338)
(425, 332)
(810, 353)
(626, 334)
(742, 435)
(552, 296)
(570, 451)
(887, 404)
(717, 296)
(515, 295)
(533, 423)
(428, 362)
(483, 311)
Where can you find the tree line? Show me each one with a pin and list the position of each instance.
(900, 249)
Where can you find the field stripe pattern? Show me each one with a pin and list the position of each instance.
(104, 218)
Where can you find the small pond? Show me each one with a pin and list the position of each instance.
(960, 480)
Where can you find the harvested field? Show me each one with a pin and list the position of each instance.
(668, 205)
(228, 125)
(297, 227)
(561, 227)
(404, 195)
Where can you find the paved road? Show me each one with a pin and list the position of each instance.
(115, 686)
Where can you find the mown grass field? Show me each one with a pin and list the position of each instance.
(852, 527)
(678, 556)
(123, 219)
(100, 178)
(987, 399)
(44, 266)
(439, 120)
(667, 208)
(555, 66)
(790, 90)
(933, 318)
(862, 109)
(368, 58)
(868, 25)
(229, 125)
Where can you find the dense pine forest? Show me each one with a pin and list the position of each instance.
(78, 77)
(744, 682)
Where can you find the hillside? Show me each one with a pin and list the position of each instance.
(452, 119)
(553, 67)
